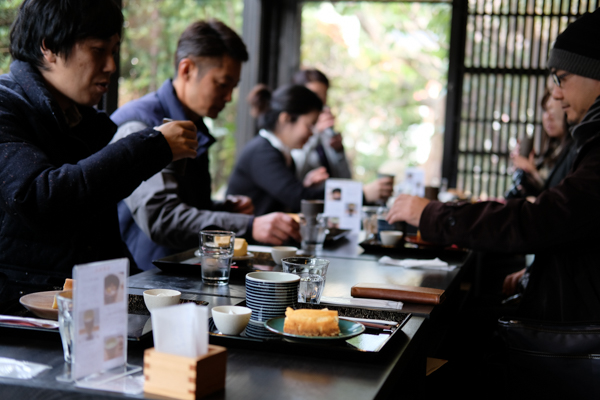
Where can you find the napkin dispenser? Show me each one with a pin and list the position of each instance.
(185, 377)
(410, 294)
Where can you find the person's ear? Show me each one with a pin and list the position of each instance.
(284, 118)
(186, 69)
(48, 55)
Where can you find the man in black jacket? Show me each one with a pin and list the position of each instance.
(60, 183)
(561, 227)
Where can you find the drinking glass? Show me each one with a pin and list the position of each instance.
(65, 323)
(312, 273)
(313, 231)
(216, 251)
(369, 221)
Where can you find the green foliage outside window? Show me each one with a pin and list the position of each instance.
(382, 69)
(387, 63)
(8, 13)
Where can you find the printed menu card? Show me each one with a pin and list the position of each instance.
(100, 302)
(343, 203)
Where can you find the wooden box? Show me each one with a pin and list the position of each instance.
(183, 377)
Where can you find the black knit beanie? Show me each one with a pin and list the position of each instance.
(577, 49)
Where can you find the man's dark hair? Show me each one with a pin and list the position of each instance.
(59, 24)
(211, 39)
(305, 76)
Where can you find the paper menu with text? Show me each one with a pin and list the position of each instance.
(343, 204)
(100, 303)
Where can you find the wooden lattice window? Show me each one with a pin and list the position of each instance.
(507, 44)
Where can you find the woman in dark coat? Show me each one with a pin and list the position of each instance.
(265, 170)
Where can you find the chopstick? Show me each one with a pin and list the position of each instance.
(373, 323)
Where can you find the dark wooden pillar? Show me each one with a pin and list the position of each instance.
(271, 31)
(455, 83)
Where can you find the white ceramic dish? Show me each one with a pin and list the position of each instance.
(157, 298)
(231, 320)
(279, 252)
(390, 238)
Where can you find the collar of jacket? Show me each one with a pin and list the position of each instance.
(589, 127)
(173, 107)
(34, 85)
(47, 109)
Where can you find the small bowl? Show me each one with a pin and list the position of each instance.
(390, 238)
(279, 252)
(157, 298)
(231, 320)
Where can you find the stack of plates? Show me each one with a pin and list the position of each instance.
(268, 294)
(258, 330)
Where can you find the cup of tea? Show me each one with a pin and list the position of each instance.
(157, 298)
(231, 320)
(313, 232)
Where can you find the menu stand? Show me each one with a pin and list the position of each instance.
(185, 378)
(100, 380)
(93, 327)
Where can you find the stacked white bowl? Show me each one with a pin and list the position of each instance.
(268, 294)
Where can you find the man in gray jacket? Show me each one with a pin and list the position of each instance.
(165, 213)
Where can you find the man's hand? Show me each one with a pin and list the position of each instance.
(509, 287)
(275, 229)
(407, 208)
(181, 136)
(325, 120)
(380, 189)
(336, 142)
(240, 204)
(526, 164)
(315, 177)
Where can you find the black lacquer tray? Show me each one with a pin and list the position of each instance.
(368, 344)
(406, 249)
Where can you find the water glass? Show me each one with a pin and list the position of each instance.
(369, 220)
(65, 323)
(216, 251)
(312, 273)
(313, 231)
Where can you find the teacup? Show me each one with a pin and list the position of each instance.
(157, 298)
(390, 238)
(279, 252)
(231, 320)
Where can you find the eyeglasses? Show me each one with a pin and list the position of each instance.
(558, 78)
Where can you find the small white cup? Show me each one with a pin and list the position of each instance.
(390, 238)
(231, 320)
(157, 298)
(280, 252)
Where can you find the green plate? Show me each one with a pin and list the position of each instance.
(348, 329)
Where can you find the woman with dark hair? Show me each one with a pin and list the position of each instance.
(265, 170)
(552, 165)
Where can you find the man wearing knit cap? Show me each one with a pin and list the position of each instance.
(562, 226)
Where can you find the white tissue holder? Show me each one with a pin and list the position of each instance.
(184, 377)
